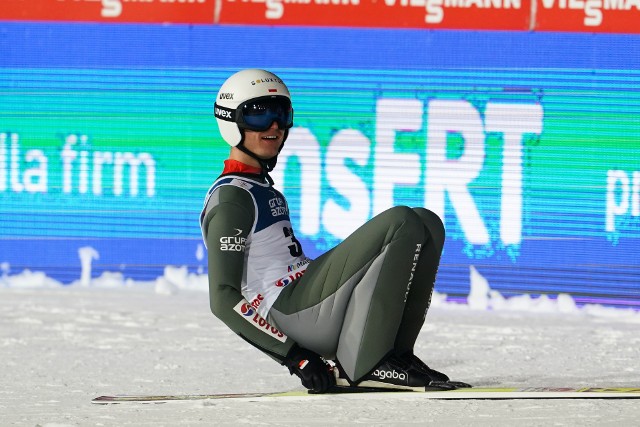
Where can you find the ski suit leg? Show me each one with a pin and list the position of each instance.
(419, 298)
(350, 303)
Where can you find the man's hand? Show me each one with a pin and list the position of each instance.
(314, 372)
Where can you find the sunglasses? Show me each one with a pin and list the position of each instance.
(258, 114)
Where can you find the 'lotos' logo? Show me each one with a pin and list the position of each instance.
(246, 310)
(257, 301)
(281, 283)
(284, 281)
(250, 315)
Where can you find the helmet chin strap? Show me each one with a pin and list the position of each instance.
(267, 165)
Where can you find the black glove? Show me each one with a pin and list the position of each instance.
(314, 372)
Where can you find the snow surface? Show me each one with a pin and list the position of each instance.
(62, 345)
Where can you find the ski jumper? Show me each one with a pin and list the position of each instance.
(358, 302)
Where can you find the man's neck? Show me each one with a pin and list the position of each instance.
(242, 157)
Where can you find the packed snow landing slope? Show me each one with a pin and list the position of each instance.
(62, 346)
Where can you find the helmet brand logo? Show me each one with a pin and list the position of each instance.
(266, 80)
(226, 95)
(223, 114)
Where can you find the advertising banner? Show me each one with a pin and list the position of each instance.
(597, 16)
(533, 169)
(142, 11)
(607, 16)
(454, 14)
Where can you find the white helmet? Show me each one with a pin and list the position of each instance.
(236, 96)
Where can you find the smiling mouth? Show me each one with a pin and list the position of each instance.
(270, 137)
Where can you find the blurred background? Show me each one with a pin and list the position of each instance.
(517, 121)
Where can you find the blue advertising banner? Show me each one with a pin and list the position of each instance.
(527, 146)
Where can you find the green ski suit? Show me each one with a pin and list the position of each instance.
(358, 302)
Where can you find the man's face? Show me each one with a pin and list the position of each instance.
(265, 144)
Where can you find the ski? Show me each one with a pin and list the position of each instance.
(480, 393)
